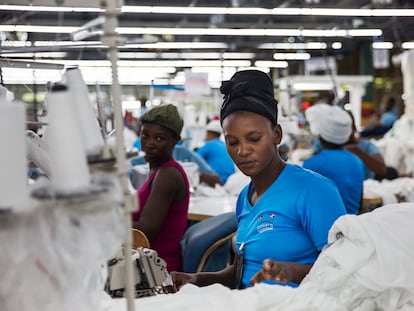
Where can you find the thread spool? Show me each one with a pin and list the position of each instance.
(69, 171)
(407, 67)
(91, 133)
(13, 163)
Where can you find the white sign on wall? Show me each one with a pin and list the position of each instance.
(196, 83)
(320, 64)
(380, 58)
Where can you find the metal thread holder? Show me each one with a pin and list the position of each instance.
(112, 40)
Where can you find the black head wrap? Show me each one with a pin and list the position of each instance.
(249, 90)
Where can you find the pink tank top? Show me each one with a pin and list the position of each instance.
(167, 243)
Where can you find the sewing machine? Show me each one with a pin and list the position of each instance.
(150, 274)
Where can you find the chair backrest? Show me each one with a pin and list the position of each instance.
(206, 245)
(139, 239)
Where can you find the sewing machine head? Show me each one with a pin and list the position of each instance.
(150, 274)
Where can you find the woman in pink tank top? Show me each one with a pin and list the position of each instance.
(164, 197)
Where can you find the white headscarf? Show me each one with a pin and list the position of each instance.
(332, 123)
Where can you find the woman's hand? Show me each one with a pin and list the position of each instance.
(180, 279)
(273, 270)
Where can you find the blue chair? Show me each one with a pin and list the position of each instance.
(207, 245)
(183, 154)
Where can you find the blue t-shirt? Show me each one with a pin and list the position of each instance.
(137, 143)
(371, 149)
(215, 153)
(289, 222)
(363, 144)
(388, 118)
(345, 169)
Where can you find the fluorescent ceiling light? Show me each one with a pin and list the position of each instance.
(323, 12)
(91, 75)
(4, 62)
(41, 8)
(393, 12)
(91, 44)
(205, 31)
(32, 56)
(236, 55)
(207, 55)
(303, 86)
(250, 32)
(20, 76)
(294, 46)
(178, 45)
(354, 12)
(291, 56)
(208, 31)
(408, 45)
(194, 10)
(221, 10)
(271, 64)
(382, 45)
(336, 45)
(364, 32)
(64, 43)
(15, 44)
(156, 63)
(137, 55)
(34, 28)
(323, 33)
(194, 55)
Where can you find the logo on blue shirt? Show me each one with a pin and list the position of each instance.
(265, 226)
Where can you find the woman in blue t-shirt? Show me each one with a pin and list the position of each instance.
(285, 212)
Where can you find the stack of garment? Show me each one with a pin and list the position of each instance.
(397, 145)
(369, 263)
(367, 266)
(390, 191)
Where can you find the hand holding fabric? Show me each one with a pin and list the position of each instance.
(180, 279)
(272, 270)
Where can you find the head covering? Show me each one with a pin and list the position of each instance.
(313, 114)
(332, 123)
(165, 115)
(214, 126)
(305, 105)
(249, 90)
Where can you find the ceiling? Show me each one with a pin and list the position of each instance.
(394, 29)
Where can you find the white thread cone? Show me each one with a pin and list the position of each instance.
(88, 122)
(13, 163)
(68, 168)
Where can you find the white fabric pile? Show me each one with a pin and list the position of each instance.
(390, 191)
(236, 182)
(397, 145)
(368, 266)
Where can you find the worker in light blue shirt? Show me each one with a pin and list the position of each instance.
(333, 125)
(215, 153)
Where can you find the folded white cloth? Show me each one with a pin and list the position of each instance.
(370, 261)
